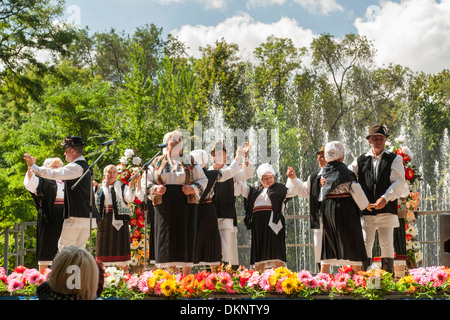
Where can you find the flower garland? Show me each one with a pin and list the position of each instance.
(129, 164)
(421, 282)
(410, 203)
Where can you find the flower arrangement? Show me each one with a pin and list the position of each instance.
(410, 202)
(128, 165)
(431, 282)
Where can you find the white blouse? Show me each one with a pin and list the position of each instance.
(173, 173)
(32, 183)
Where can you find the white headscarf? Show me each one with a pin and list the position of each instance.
(201, 157)
(264, 169)
(334, 150)
(174, 135)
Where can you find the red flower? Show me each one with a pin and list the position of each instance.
(346, 269)
(137, 201)
(133, 222)
(399, 151)
(406, 158)
(20, 269)
(409, 173)
(141, 223)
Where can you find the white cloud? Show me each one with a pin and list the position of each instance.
(313, 6)
(320, 6)
(263, 3)
(413, 33)
(208, 4)
(243, 30)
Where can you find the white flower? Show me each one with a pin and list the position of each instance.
(134, 245)
(412, 230)
(418, 256)
(408, 152)
(134, 261)
(123, 160)
(129, 153)
(137, 161)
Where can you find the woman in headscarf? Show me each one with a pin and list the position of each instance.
(264, 207)
(48, 196)
(113, 232)
(208, 249)
(175, 184)
(342, 201)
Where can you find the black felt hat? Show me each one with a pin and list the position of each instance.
(70, 141)
(377, 130)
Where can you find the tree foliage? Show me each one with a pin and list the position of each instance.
(135, 88)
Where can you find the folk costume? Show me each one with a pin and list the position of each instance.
(225, 193)
(342, 201)
(113, 232)
(312, 189)
(48, 196)
(382, 176)
(77, 225)
(175, 214)
(264, 217)
(208, 242)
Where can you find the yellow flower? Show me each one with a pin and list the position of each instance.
(169, 287)
(290, 285)
(278, 274)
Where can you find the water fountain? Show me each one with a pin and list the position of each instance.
(435, 189)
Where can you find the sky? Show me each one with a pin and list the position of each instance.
(413, 33)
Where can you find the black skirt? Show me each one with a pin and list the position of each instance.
(175, 222)
(208, 244)
(48, 233)
(112, 245)
(342, 237)
(266, 245)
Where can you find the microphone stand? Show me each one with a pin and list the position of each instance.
(91, 170)
(145, 167)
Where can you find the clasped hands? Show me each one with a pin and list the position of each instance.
(379, 204)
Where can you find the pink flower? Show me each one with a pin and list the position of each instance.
(33, 276)
(324, 280)
(279, 285)
(211, 281)
(439, 277)
(15, 284)
(359, 280)
(304, 276)
(253, 280)
(340, 280)
(312, 283)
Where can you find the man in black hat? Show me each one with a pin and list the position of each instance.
(77, 227)
(382, 177)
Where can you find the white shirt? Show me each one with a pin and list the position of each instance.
(70, 171)
(175, 176)
(397, 176)
(32, 183)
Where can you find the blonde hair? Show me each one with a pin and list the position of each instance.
(59, 277)
(49, 161)
(109, 166)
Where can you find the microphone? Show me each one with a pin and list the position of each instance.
(109, 143)
(161, 145)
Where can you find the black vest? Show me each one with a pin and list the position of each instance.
(375, 187)
(45, 196)
(76, 201)
(212, 176)
(314, 204)
(225, 200)
(277, 195)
